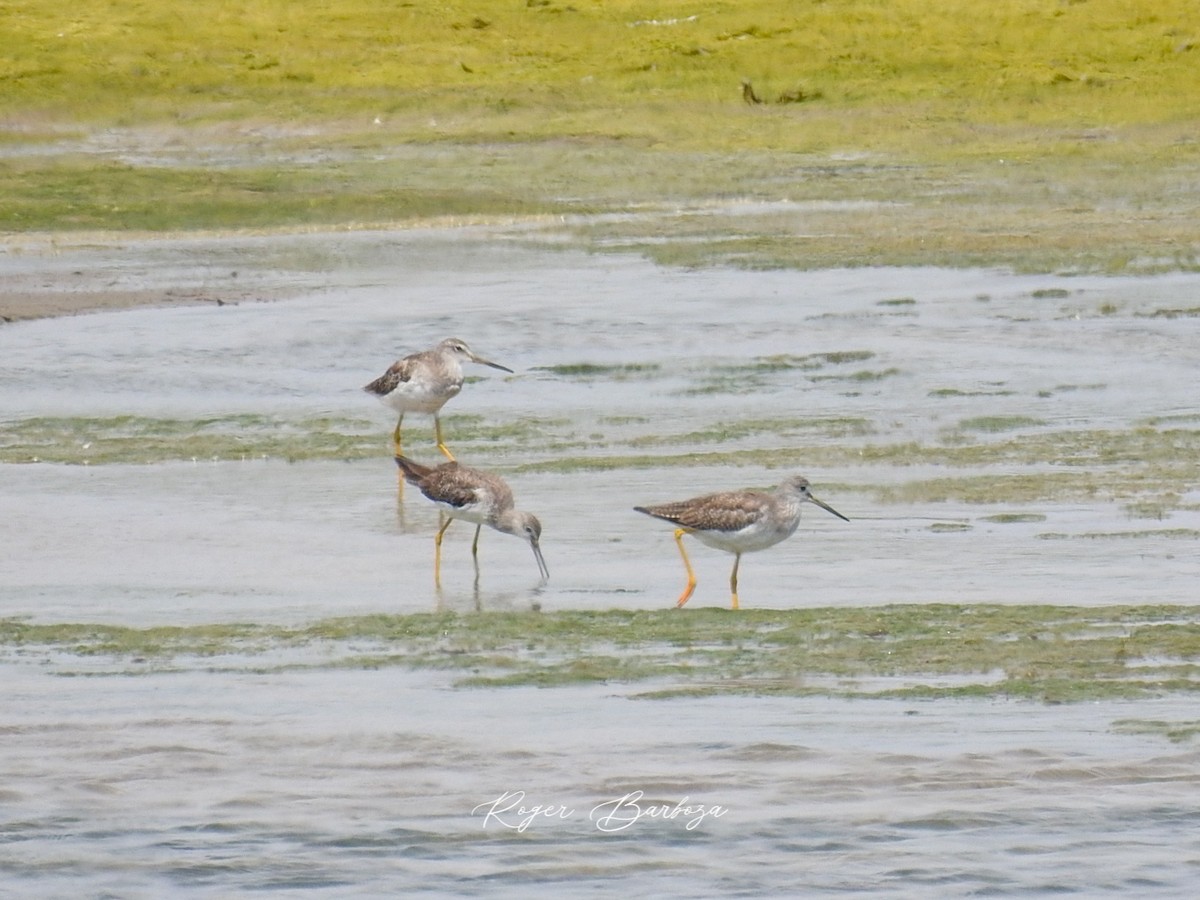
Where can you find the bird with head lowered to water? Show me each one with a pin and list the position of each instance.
(461, 492)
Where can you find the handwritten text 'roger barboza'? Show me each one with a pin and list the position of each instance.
(509, 810)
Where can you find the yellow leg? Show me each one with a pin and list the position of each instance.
(398, 450)
(437, 553)
(475, 560)
(737, 561)
(691, 585)
(437, 430)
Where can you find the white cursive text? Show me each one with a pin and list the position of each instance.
(619, 814)
(509, 811)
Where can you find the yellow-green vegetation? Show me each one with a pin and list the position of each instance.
(589, 371)
(1186, 534)
(999, 423)
(1176, 732)
(142, 439)
(1047, 653)
(1148, 469)
(1040, 134)
(498, 68)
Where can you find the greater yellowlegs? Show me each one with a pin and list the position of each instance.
(474, 496)
(737, 522)
(423, 382)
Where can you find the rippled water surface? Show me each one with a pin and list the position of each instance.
(216, 779)
(363, 783)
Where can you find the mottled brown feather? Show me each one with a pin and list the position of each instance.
(413, 471)
(725, 511)
(456, 485)
(397, 373)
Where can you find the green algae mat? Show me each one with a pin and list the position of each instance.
(1042, 653)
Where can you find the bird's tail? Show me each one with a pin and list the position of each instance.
(413, 471)
(663, 512)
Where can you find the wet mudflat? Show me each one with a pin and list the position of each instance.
(995, 439)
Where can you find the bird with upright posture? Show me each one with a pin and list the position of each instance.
(480, 497)
(737, 522)
(423, 382)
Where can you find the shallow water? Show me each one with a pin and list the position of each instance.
(186, 543)
(354, 783)
(382, 783)
(263, 539)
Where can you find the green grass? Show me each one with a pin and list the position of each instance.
(1044, 653)
(1044, 136)
(555, 69)
(81, 193)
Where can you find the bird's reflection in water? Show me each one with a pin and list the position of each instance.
(477, 599)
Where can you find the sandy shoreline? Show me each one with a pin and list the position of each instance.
(45, 277)
(71, 300)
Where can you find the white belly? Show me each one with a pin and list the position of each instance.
(746, 540)
(472, 512)
(420, 396)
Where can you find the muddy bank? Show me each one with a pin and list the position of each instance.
(55, 277)
(18, 305)
(62, 275)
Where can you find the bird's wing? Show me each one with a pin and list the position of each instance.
(730, 511)
(445, 485)
(397, 373)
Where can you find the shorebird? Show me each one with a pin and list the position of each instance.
(423, 382)
(474, 496)
(737, 522)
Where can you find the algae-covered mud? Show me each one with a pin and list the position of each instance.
(229, 668)
(1053, 653)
